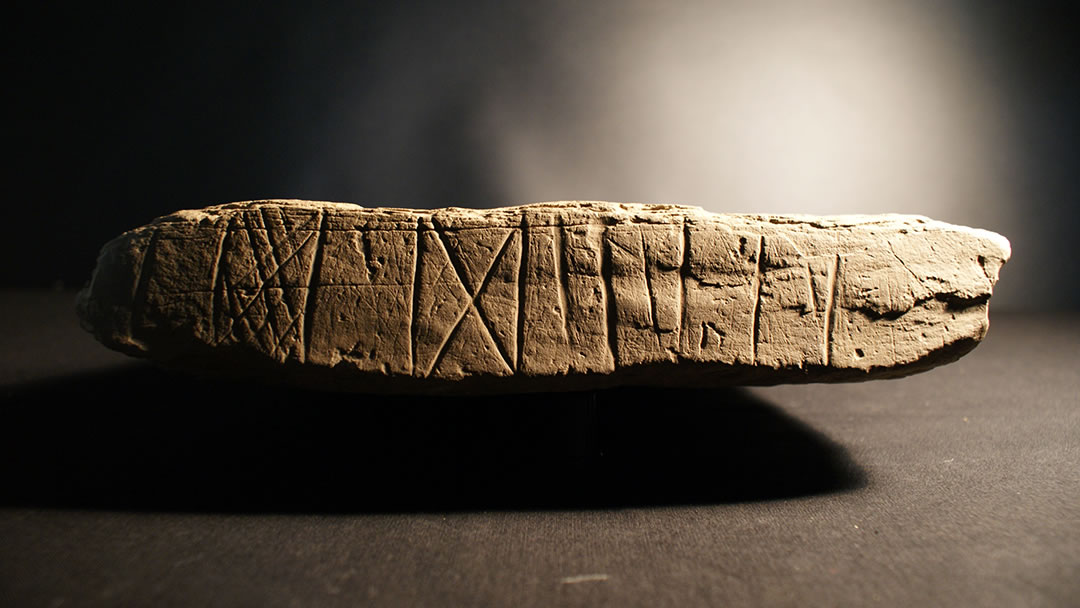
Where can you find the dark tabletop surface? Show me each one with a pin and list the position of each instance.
(124, 485)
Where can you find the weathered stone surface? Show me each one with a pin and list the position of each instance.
(551, 296)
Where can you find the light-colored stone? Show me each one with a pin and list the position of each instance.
(550, 296)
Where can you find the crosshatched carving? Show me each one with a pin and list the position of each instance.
(555, 295)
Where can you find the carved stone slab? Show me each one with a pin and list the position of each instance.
(550, 296)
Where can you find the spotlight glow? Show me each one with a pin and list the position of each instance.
(837, 108)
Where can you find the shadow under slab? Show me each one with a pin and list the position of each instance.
(138, 438)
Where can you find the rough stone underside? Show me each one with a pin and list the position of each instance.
(551, 296)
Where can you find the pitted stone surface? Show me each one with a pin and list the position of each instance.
(549, 296)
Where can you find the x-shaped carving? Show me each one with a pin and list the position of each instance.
(471, 306)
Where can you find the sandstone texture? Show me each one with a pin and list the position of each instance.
(549, 296)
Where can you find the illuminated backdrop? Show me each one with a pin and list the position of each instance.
(961, 111)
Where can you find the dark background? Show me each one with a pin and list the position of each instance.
(963, 111)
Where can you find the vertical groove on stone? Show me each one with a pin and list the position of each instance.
(213, 282)
(521, 294)
(270, 241)
(648, 287)
(609, 296)
(683, 270)
(418, 249)
(758, 276)
(558, 243)
(834, 285)
(312, 280)
(256, 267)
